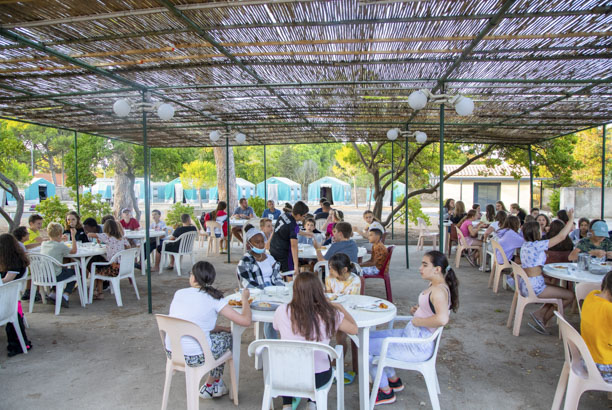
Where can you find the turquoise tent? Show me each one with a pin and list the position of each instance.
(281, 189)
(335, 190)
(174, 192)
(398, 191)
(244, 189)
(40, 189)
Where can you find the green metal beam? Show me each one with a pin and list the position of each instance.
(76, 170)
(603, 170)
(147, 187)
(530, 178)
(441, 171)
(406, 200)
(392, 170)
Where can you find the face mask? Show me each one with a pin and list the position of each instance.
(258, 251)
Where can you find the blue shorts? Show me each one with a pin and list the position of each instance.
(537, 283)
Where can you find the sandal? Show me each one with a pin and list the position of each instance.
(539, 324)
(349, 377)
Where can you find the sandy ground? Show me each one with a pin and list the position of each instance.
(109, 357)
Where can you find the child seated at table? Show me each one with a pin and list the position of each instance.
(311, 317)
(379, 253)
(369, 218)
(56, 249)
(201, 304)
(112, 236)
(335, 216)
(431, 312)
(596, 326)
(73, 220)
(257, 269)
(342, 243)
(127, 222)
(218, 215)
(265, 225)
(307, 236)
(34, 229)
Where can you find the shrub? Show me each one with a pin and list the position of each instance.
(52, 210)
(258, 204)
(173, 218)
(555, 201)
(92, 206)
(414, 211)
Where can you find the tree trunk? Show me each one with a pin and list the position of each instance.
(52, 170)
(123, 192)
(10, 187)
(200, 197)
(378, 194)
(232, 203)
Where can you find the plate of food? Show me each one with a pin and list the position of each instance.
(559, 267)
(261, 305)
(373, 307)
(238, 302)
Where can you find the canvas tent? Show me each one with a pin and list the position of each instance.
(335, 190)
(244, 189)
(398, 191)
(280, 189)
(39, 190)
(174, 192)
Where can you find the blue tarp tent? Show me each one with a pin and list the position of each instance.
(40, 189)
(398, 191)
(244, 189)
(174, 192)
(339, 192)
(281, 189)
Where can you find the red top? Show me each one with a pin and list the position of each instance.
(223, 221)
(132, 225)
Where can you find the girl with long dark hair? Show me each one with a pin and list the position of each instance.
(431, 312)
(201, 303)
(310, 316)
(73, 221)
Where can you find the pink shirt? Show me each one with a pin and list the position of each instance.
(464, 228)
(282, 323)
(425, 309)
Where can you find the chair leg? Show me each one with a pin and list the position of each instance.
(376, 384)
(177, 264)
(266, 402)
(117, 289)
(167, 383)
(512, 308)
(354, 357)
(135, 287)
(17, 328)
(92, 282)
(234, 388)
(561, 386)
(59, 294)
(458, 253)
(498, 275)
(388, 288)
(573, 393)
(518, 317)
(193, 397)
(33, 290)
(492, 275)
(321, 398)
(430, 381)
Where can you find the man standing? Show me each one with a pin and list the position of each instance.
(243, 211)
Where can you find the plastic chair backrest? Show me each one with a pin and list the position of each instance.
(126, 260)
(187, 240)
(460, 237)
(290, 364)
(320, 224)
(582, 290)
(213, 226)
(421, 224)
(453, 233)
(9, 294)
(498, 249)
(176, 329)
(520, 273)
(322, 264)
(577, 354)
(385, 267)
(42, 269)
(437, 336)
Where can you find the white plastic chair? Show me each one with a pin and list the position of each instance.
(462, 246)
(126, 260)
(426, 368)
(185, 248)
(322, 266)
(579, 373)
(497, 268)
(582, 290)
(175, 329)
(424, 233)
(9, 296)
(288, 367)
(42, 269)
(519, 301)
(320, 224)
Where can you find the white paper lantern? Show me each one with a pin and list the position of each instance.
(240, 138)
(464, 106)
(420, 137)
(165, 112)
(122, 107)
(417, 100)
(392, 134)
(214, 136)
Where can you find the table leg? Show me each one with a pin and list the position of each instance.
(84, 279)
(483, 256)
(143, 264)
(236, 342)
(364, 352)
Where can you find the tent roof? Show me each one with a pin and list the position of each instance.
(536, 69)
(38, 179)
(332, 179)
(244, 182)
(283, 180)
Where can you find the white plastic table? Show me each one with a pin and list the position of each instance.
(309, 252)
(141, 235)
(242, 222)
(576, 275)
(365, 319)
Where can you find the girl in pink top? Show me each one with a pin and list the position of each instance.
(470, 232)
(310, 316)
(432, 312)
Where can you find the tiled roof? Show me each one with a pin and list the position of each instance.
(503, 170)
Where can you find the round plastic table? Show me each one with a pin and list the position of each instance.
(561, 271)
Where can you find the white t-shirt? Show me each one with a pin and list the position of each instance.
(266, 267)
(198, 307)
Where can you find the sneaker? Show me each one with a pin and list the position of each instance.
(26, 295)
(397, 385)
(206, 392)
(385, 398)
(65, 303)
(219, 389)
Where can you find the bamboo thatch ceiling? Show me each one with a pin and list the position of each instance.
(303, 71)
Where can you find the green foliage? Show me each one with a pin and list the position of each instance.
(414, 211)
(52, 210)
(555, 201)
(258, 204)
(92, 152)
(14, 158)
(198, 174)
(92, 206)
(173, 218)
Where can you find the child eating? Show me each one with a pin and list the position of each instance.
(379, 253)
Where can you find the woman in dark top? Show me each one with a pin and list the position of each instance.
(515, 209)
(555, 227)
(459, 212)
(73, 220)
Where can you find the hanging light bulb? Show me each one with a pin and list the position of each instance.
(214, 136)
(165, 111)
(240, 138)
(417, 100)
(464, 105)
(392, 134)
(420, 137)
(122, 107)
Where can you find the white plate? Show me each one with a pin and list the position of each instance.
(370, 308)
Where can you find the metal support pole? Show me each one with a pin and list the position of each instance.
(147, 187)
(406, 201)
(530, 179)
(603, 170)
(227, 194)
(392, 230)
(441, 223)
(265, 178)
(76, 171)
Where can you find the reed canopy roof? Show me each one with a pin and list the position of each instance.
(308, 71)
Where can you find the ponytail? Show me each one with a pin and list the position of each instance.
(439, 259)
(204, 273)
